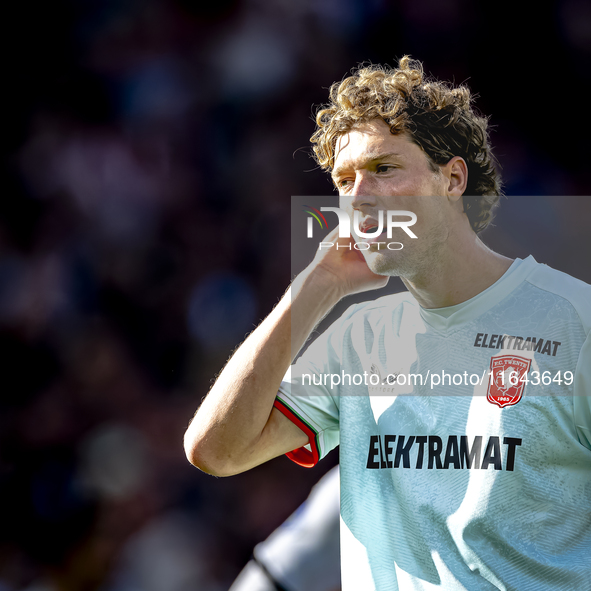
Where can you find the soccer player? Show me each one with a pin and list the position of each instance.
(462, 406)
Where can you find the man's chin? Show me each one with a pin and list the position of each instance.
(382, 263)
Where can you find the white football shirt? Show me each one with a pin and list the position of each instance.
(482, 482)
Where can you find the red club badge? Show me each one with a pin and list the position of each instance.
(507, 380)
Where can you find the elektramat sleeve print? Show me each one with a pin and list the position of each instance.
(462, 487)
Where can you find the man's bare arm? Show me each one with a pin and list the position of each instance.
(236, 427)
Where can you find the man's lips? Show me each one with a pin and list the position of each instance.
(369, 227)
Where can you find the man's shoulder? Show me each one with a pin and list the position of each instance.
(574, 291)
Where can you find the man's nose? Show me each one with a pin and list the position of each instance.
(363, 192)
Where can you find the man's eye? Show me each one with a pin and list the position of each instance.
(384, 167)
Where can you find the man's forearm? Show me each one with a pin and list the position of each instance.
(228, 433)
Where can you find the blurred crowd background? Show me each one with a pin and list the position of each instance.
(151, 149)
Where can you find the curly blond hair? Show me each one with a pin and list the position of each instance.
(438, 118)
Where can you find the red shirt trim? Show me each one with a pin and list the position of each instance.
(301, 456)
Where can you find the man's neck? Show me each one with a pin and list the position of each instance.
(460, 277)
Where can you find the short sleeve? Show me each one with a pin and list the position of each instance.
(309, 399)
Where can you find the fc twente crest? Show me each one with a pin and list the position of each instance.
(507, 379)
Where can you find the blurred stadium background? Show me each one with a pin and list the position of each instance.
(151, 149)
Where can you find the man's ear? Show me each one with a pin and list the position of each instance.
(456, 173)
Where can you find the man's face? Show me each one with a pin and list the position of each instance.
(375, 170)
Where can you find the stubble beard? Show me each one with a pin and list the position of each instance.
(419, 257)
(394, 263)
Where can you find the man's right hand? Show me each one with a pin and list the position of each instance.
(345, 266)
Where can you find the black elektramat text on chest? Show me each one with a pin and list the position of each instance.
(432, 452)
(512, 343)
